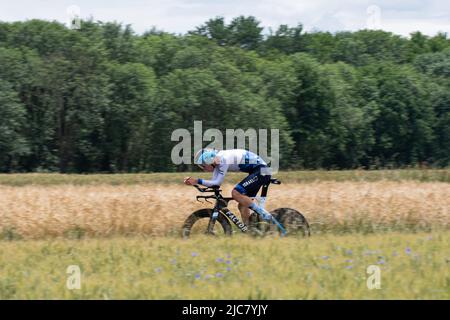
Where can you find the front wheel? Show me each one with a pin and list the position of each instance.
(197, 224)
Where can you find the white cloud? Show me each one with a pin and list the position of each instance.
(401, 16)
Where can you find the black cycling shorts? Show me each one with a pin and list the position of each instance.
(252, 183)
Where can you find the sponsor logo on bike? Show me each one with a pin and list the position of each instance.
(236, 221)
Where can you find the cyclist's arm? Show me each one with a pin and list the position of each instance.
(217, 178)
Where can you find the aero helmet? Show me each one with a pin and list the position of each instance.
(205, 156)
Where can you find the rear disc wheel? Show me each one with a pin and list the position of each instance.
(293, 221)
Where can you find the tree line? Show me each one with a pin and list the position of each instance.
(105, 99)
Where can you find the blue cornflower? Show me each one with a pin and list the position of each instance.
(408, 250)
(219, 275)
(220, 260)
(194, 254)
(197, 276)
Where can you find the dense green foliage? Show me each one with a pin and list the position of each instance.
(104, 99)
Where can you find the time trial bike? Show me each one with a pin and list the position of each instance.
(219, 219)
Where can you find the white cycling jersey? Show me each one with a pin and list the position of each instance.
(233, 160)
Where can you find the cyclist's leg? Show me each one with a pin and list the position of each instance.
(246, 189)
(245, 213)
(244, 203)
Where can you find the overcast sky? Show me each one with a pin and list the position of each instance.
(399, 16)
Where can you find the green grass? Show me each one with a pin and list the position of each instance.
(426, 175)
(413, 266)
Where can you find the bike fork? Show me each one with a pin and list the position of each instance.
(212, 222)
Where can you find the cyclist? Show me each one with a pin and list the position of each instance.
(220, 162)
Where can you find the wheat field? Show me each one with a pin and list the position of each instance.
(37, 212)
